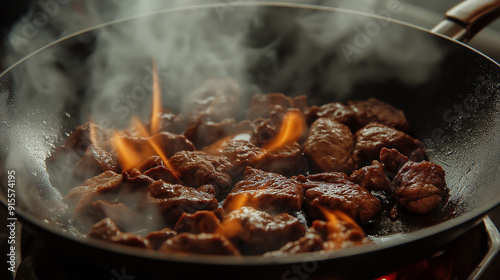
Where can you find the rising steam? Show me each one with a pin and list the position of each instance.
(108, 74)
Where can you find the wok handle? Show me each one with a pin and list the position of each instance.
(467, 18)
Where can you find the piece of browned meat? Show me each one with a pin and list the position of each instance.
(157, 238)
(374, 110)
(94, 161)
(288, 160)
(264, 130)
(107, 230)
(339, 234)
(372, 138)
(134, 181)
(108, 187)
(205, 132)
(311, 181)
(330, 147)
(120, 213)
(80, 139)
(170, 122)
(201, 244)
(173, 200)
(215, 100)
(393, 160)
(162, 173)
(310, 242)
(101, 187)
(239, 152)
(335, 111)
(198, 168)
(150, 162)
(372, 177)
(255, 232)
(347, 196)
(265, 191)
(261, 105)
(419, 187)
(61, 162)
(199, 222)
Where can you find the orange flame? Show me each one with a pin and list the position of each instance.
(244, 199)
(229, 228)
(128, 157)
(128, 154)
(334, 219)
(156, 108)
(291, 130)
(141, 128)
(143, 132)
(237, 202)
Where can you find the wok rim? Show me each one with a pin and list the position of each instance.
(472, 217)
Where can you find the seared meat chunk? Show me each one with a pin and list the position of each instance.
(81, 138)
(312, 180)
(154, 168)
(109, 187)
(150, 162)
(288, 160)
(393, 160)
(162, 173)
(262, 105)
(265, 191)
(215, 100)
(347, 196)
(201, 244)
(266, 130)
(121, 215)
(107, 230)
(372, 138)
(198, 168)
(239, 152)
(94, 161)
(310, 242)
(372, 177)
(157, 238)
(330, 147)
(199, 222)
(170, 122)
(135, 181)
(205, 132)
(68, 155)
(374, 110)
(101, 187)
(335, 111)
(173, 200)
(339, 234)
(255, 232)
(419, 187)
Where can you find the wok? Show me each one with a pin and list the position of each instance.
(449, 92)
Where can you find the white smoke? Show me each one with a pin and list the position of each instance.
(112, 81)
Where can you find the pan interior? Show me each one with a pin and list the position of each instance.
(449, 93)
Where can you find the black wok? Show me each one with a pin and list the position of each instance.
(453, 107)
